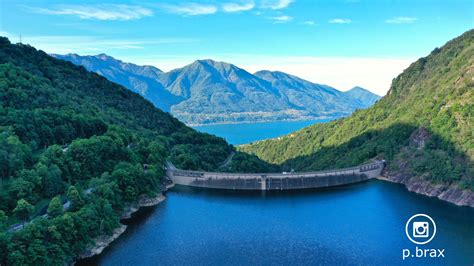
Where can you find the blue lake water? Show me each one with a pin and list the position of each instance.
(362, 224)
(245, 133)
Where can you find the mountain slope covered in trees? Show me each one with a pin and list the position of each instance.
(207, 91)
(423, 127)
(69, 135)
(140, 79)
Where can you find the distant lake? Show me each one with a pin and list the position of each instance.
(245, 133)
(362, 224)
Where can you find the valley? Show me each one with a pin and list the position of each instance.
(423, 128)
(86, 145)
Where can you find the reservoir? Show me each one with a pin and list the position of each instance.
(237, 134)
(360, 224)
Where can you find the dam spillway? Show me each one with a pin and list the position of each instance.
(275, 181)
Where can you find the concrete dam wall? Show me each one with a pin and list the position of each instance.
(275, 181)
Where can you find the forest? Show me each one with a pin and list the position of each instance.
(424, 125)
(75, 149)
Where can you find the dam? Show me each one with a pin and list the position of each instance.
(274, 181)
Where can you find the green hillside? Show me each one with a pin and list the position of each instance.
(72, 136)
(423, 125)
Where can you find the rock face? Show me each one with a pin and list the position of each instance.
(419, 137)
(444, 191)
(143, 202)
(451, 193)
(103, 241)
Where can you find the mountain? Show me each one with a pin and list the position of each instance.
(316, 98)
(140, 79)
(207, 91)
(365, 97)
(77, 150)
(221, 92)
(423, 127)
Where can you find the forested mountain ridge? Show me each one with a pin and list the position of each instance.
(208, 91)
(423, 127)
(140, 79)
(67, 134)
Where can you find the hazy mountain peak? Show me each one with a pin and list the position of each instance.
(206, 61)
(212, 64)
(279, 78)
(104, 57)
(203, 63)
(73, 55)
(360, 89)
(366, 97)
(207, 91)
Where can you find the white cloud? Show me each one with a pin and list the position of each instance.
(281, 19)
(401, 20)
(90, 44)
(343, 73)
(276, 4)
(190, 9)
(309, 23)
(340, 21)
(234, 7)
(98, 12)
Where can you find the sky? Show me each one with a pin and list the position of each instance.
(341, 43)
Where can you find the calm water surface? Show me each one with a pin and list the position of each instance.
(360, 224)
(245, 133)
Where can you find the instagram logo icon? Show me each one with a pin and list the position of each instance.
(420, 229)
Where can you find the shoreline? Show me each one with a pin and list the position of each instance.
(445, 192)
(143, 202)
(264, 121)
(102, 242)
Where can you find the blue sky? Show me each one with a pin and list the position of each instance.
(342, 43)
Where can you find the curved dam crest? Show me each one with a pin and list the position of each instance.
(274, 181)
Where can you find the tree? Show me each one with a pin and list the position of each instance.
(22, 189)
(23, 210)
(126, 176)
(3, 220)
(55, 207)
(51, 181)
(157, 152)
(4, 240)
(53, 140)
(75, 198)
(13, 153)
